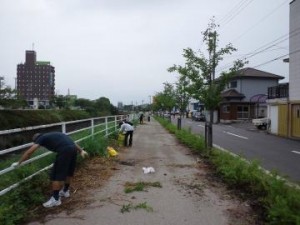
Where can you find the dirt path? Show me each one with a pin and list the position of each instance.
(187, 194)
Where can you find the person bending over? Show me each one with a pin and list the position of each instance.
(64, 165)
(128, 130)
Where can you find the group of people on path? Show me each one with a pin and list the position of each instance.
(65, 162)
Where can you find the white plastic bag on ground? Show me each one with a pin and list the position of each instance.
(148, 170)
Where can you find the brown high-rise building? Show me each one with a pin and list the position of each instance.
(35, 80)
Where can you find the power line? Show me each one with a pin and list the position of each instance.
(236, 12)
(224, 18)
(266, 47)
(280, 57)
(262, 19)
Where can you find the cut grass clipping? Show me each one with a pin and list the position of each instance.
(140, 186)
(129, 207)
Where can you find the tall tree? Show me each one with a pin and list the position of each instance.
(102, 105)
(10, 99)
(182, 93)
(83, 103)
(165, 100)
(200, 69)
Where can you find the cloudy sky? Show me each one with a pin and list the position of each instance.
(121, 49)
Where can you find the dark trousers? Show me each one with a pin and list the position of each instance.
(130, 134)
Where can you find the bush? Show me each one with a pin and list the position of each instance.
(15, 205)
(95, 146)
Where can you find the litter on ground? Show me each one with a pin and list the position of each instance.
(112, 151)
(148, 170)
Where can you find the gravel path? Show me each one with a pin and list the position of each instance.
(187, 194)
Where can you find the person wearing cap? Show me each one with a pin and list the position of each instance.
(64, 165)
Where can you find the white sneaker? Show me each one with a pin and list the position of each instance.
(52, 202)
(65, 194)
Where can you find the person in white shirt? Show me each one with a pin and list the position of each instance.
(128, 130)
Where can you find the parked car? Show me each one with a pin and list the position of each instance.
(198, 116)
(167, 115)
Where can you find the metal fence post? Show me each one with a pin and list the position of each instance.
(63, 128)
(106, 127)
(93, 126)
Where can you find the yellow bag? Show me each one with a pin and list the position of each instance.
(121, 138)
(112, 151)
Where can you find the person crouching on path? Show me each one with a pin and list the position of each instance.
(64, 165)
(128, 130)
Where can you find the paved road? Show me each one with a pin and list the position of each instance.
(186, 196)
(273, 152)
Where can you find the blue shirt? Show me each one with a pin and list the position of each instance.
(54, 141)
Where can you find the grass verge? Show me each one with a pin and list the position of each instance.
(278, 202)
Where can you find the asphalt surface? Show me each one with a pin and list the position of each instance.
(185, 196)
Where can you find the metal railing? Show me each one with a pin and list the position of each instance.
(279, 91)
(100, 125)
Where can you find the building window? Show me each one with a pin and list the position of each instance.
(226, 108)
(233, 84)
(242, 112)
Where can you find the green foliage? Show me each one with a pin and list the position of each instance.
(140, 186)
(95, 146)
(103, 104)
(198, 73)
(16, 205)
(136, 187)
(126, 208)
(196, 143)
(144, 206)
(10, 119)
(165, 100)
(10, 99)
(129, 207)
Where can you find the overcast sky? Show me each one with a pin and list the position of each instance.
(121, 49)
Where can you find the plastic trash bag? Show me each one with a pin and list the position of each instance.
(121, 138)
(111, 151)
(148, 170)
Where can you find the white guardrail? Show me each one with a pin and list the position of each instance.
(110, 122)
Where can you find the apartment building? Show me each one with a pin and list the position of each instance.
(35, 81)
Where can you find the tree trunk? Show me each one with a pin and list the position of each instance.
(209, 131)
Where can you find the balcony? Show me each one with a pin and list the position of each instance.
(279, 91)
